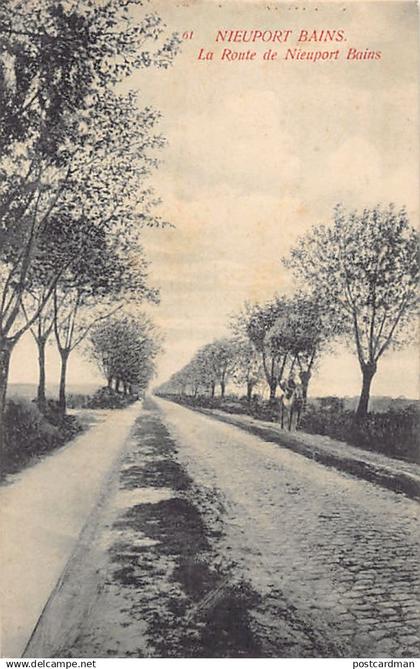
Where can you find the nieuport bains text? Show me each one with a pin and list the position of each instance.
(314, 45)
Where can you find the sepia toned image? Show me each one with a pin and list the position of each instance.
(209, 370)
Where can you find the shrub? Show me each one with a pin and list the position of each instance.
(104, 398)
(77, 401)
(29, 433)
(258, 408)
(107, 398)
(67, 425)
(331, 403)
(266, 410)
(394, 432)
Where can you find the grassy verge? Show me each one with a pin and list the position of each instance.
(393, 433)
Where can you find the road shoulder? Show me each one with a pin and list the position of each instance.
(398, 476)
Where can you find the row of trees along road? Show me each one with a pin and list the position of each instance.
(357, 281)
(268, 342)
(125, 348)
(74, 157)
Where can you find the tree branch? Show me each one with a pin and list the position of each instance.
(96, 320)
(393, 328)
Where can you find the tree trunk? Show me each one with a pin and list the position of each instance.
(368, 372)
(117, 385)
(273, 388)
(249, 387)
(222, 389)
(213, 389)
(5, 353)
(304, 379)
(304, 395)
(283, 366)
(62, 390)
(109, 380)
(41, 399)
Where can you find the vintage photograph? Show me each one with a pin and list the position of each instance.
(209, 368)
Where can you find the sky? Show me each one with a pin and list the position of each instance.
(258, 152)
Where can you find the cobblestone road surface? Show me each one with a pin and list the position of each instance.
(239, 547)
(342, 550)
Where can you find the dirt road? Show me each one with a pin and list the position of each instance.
(42, 512)
(214, 542)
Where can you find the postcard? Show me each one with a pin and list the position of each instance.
(209, 400)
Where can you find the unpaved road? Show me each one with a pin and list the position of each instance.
(215, 543)
(43, 508)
